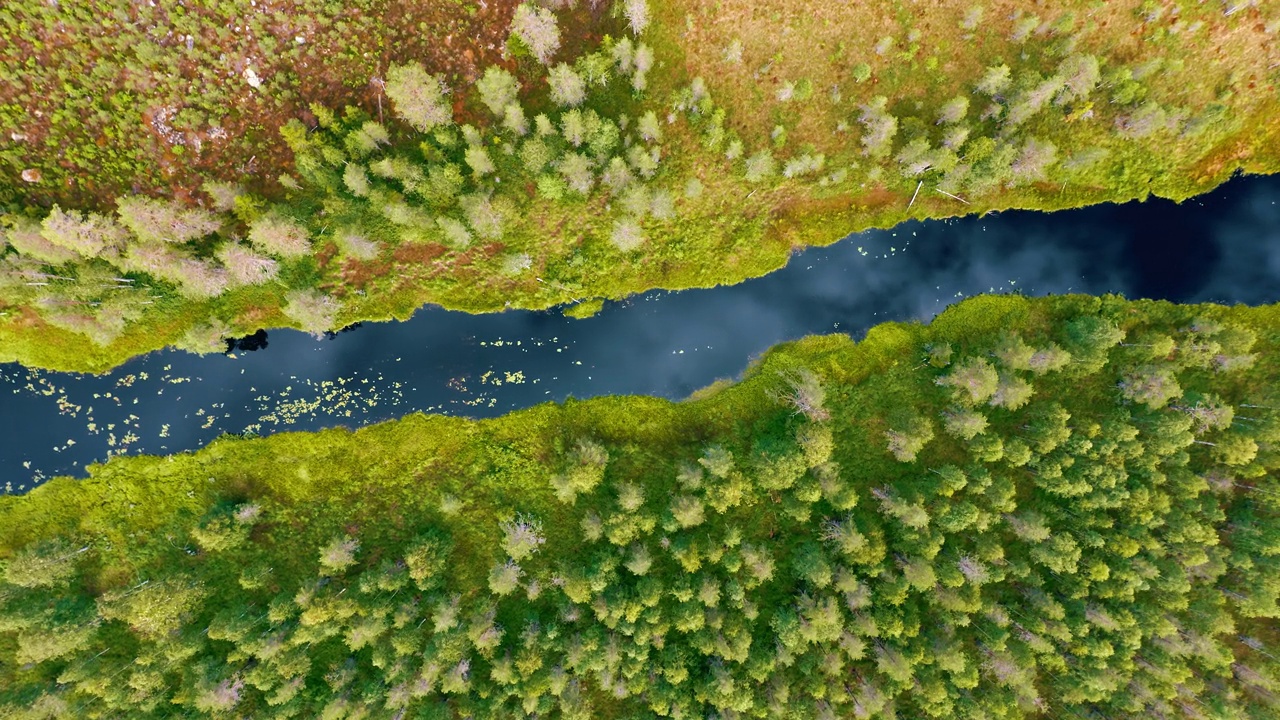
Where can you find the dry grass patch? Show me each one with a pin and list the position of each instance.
(748, 51)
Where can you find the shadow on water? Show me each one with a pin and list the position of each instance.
(249, 343)
(1221, 247)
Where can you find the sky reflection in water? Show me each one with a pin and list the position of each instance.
(1223, 247)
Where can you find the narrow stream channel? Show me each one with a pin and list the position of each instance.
(1221, 247)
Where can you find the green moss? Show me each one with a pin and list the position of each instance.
(584, 309)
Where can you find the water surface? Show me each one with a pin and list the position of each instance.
(1221, 247)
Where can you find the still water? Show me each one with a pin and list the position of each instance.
(1222, 247)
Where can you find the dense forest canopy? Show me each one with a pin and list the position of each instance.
(1063, 507)
(586, 150)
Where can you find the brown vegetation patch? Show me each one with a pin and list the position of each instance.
(133, 98)
(359, 274)
(418, 253)
(784, 41)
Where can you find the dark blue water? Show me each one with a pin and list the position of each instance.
(1221, 247)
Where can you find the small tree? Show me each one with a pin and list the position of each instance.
(1210, 412)
(25, 237)
(1149, 118)
(1048, 359)
(551, 187)
(356, 245)
(536, 28)
(197, 279)
(760, 166)
(221, 533)
(504, 579)
(963, 423)
(1236, 450)
(479, 161)
(521, 537)
(733, 52)
(1151, 385)
(1030, 101)
(86, 234)
(1091, 337)
(1012, 392)
(636, 200)
(535, 155)
(662, 205)
(427, 559)
(485, 215)
(643, 63)
(639, 560)
(644, 160)
(46, 563)
(567, 86)
(919, 574)
(810, 565)
(356, 179)
(338, 555)
(205, 338)
(222, 194)
(595, 68)
(279, 235)
(844, 536)
(907, 442)
(418, 97)
(1033, 161)
(954, 110)
(805, 393)
(637, 14)
(497, 89)
(617, 176)
(972, 17)
(513, 119)
(879, 128)
(576, 170)
(362, 141)
(155, 608)
(630, 497)
(1080, 74)
(543, 125)
(995, 80)
(939, 354)
(972, 381)
(687, 510)
(649, 128)
(165, 220)
(603, 135)
(1012, 352)
(573, 127)
(624, 54)
(627, 235)
(245, 266)
(313, 310)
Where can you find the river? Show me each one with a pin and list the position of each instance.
(1220, 247)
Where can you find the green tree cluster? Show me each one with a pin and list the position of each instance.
(756, 553)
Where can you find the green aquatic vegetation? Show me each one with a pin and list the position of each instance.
(761, 551)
